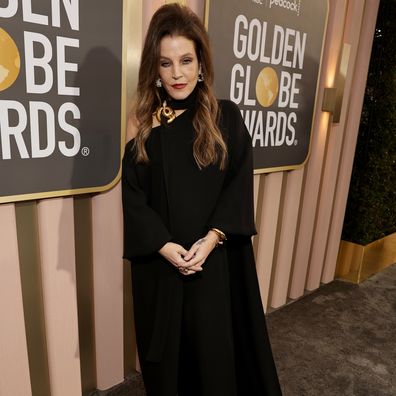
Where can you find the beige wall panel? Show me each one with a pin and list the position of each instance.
(56, 237)
(337, 11)
(289, 217)
(14, 366)
(108, 287)
(270, 191)
(308, 209)
(336, 137)
(352, 128)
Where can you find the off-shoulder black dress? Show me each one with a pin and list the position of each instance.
(204, 334)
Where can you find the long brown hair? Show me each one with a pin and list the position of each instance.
(176, 20)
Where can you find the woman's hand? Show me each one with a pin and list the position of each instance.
(174, 253)
(198, 252)
(190, 262)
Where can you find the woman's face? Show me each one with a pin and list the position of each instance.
(178, 66)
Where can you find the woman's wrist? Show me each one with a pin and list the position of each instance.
(213, 238)
(217, 236)
(220, 234)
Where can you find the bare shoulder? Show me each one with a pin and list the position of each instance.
(155, 121)
(133, 124)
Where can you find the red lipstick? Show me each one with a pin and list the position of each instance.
(178, 86)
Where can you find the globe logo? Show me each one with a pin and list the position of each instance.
(10, 60)
(267, 86)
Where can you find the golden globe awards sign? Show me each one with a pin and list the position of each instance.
(267, 56)
(60, 96)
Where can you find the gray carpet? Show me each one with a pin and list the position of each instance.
(338, 341)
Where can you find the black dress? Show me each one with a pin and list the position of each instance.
(203, 334)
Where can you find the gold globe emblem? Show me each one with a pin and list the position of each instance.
(10, 60)
(267, 86)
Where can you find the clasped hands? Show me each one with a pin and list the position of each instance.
(189, 262)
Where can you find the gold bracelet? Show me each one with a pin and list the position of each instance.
(220, 234)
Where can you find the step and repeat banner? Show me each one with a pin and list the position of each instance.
(267, 56)
(61, 90)
(62, 87)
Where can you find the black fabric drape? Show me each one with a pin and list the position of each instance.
(144, 230)
(234, 212)
(213, 322)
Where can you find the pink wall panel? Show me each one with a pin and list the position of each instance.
(270, 194)
(149, 7)
(14, 366)
(352, 126)
(198, 6)
(313, 169)
(331, 166)
(108, 287)
(288, 224)
(56, 236)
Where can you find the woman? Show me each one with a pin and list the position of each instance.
(188, 219)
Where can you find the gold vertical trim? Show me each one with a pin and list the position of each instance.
(84, 283)
(130, 350)
(206, 14)
(133, 15)
(124, 75)
(133, 22)
(32, 295)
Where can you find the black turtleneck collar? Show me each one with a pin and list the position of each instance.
(187, 103)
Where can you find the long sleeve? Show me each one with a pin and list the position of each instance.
(144, 231)
(234, 212)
